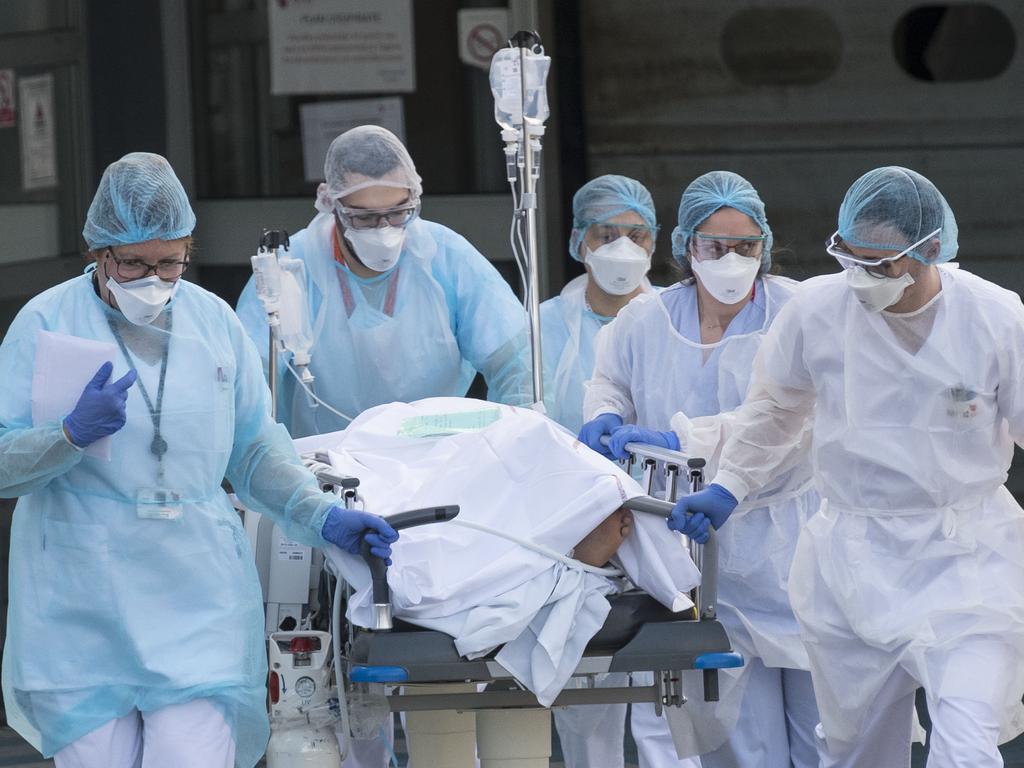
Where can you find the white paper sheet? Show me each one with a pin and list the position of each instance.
(64, 365)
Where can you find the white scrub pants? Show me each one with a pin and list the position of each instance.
(775, 728)
(592, 735)
(193, 734)
(965, 727)
(776, 723)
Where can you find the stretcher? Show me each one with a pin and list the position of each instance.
(417, 670)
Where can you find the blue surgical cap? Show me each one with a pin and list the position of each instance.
(705, 195)
(139, 199)
(892, 208)
(604, 198)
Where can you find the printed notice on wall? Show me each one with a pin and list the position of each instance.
(38, 136)
(341, 46)
(323, 121)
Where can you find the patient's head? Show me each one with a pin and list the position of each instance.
(598, 546)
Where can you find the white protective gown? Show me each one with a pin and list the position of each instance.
(916, 559)
(653, 373)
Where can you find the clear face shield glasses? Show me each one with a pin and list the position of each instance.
(848, 260)
(374, 218)
(711, 247)
(601, 234)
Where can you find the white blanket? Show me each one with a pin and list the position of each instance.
(517, 471)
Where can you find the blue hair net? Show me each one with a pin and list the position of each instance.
(603, 198)
(892, 208)
(705, 195)
(139, 198)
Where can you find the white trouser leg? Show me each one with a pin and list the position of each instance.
(117, 744)
(370, 753)
(801, 717)
(759, 737)
(592, 735)
(966, 708)
(193, 734)
(964, 735)
(653, 739)
(884, 739)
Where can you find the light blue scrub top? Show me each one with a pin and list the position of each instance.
(422, 329)
(114, 604)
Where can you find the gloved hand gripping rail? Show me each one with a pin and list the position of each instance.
(379, 568)
(704, 556)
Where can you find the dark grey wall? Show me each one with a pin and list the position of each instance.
(802, 102)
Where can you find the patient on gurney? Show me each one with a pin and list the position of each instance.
(516, 569)
(598, 546)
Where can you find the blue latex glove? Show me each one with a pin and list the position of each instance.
(694, 515)
(631, 433)
(347, 529)
(100, 410)
(592, 432)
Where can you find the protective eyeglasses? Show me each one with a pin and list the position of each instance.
(136, 269)
(641, 234)
(370, 218)
(847, 260)
(710, 247)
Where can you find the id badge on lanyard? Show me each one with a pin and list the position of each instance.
(158, 504)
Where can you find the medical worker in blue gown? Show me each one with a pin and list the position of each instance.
(672, 368)
(136, 624)
(613, 233)
(403, 307)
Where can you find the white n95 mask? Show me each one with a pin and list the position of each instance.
(141, 301)
(378, 248)
(618, 267)
(876, 292)
(730, 278)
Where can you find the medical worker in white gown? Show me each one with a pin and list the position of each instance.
(405, 306)
(613, 233)
(912, 572)
(682, 359)
(136, 632)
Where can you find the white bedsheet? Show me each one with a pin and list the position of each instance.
(528, 477)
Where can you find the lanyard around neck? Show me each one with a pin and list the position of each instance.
(159, 446)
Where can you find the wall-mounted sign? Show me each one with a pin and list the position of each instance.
(38, 134)
(341, 46)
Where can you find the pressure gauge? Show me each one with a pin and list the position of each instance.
(305, 687)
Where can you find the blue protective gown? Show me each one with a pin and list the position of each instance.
(111, 611)
(568, 327)
(421, 329)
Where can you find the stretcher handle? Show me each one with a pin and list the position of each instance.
(666, 455)
(379, 568)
